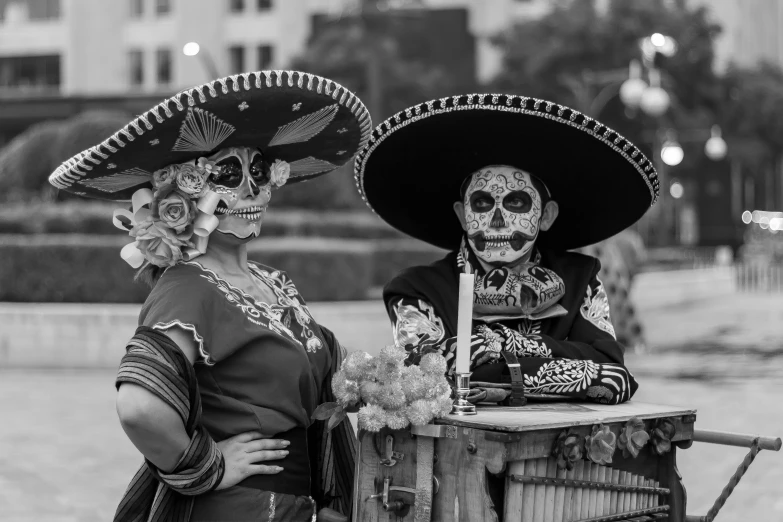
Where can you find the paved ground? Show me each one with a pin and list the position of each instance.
(64, 458)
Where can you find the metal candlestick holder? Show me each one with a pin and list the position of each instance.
(461, 405)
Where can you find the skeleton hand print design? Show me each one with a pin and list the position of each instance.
(503, 211)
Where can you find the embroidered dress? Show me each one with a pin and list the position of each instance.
(261, 367)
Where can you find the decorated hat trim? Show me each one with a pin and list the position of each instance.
(203, 131)
(515, 104)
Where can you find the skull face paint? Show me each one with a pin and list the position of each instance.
(242, 179)
(503, 212)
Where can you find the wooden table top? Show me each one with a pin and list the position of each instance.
(549, 415)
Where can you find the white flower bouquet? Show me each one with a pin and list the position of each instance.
(388, 393)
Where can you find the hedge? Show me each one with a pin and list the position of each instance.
(87, 268)
(79, 268)
(87, 217)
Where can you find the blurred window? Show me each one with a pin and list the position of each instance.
(264, 5)
(162, 7)
(30, 73)
(30, 9)
(236, 57)
(136, 8)
(236, 6)
(266, 55)
(163, 58)
(136, 68)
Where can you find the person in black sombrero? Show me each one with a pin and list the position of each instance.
(508, 185)
(220, 381)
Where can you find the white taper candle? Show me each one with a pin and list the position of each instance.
(464, 322)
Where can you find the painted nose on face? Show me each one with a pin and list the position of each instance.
(497, 220)
(255, 190)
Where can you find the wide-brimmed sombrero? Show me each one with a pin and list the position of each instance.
(411, 170)
(313, 123)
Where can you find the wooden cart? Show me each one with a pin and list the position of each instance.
(498, 465)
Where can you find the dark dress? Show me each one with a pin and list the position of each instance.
(261, 367)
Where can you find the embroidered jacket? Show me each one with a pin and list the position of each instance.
(572, 355)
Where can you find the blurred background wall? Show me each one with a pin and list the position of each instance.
(696, 84)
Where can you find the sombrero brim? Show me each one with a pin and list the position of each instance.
(411, 170)
(313, 123)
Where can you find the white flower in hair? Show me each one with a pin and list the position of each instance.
(191, 180)
(279, 172)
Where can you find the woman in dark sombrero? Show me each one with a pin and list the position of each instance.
(508, 185)
(219, 383)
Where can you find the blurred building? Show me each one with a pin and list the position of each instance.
(752, 31)
(58, 57)
(98, 47)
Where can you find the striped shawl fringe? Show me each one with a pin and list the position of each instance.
(336, 462)
(155, 362)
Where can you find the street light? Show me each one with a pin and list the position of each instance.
(671, 151)
(191, 49)
(716, 147)
(633, 88)
(658, 43)
(655, 100)
(676, 190)
(194, 49)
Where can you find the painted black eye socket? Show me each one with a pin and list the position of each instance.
(481, 201)
(519, 202)
(229, 173)
(259, 170)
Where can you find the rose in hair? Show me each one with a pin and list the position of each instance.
(159, 244)
(191, 180)
(279, 172)
(175, 210)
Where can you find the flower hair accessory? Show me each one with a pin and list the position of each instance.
(390, 393)
(279, 172)
(173, 222)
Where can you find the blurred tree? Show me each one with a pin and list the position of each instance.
(364, 48)
(28, 160)
(753, 114)
(367, 49)
(25, 163)
(563, 56)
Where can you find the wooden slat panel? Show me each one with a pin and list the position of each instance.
(540, 491)
(560, 497)
(568, 501)
(529, 495)
(600, 494)
(515, 492)
(629, 479)
(582, 470)
(591, 506)
(549, 495)
(615, 494)
(608, 495)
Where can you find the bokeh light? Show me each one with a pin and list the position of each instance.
(672, 153)
(676, 190)
(191, 49)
